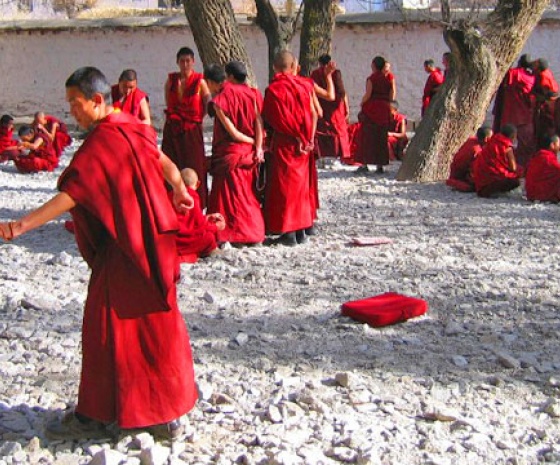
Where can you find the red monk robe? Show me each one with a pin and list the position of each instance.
(514, 104)
(492, 173)
(42, 158)
(128, 103)
(287, 109)
(376, 118)
(197, 236)
(434, 81)
(542, 178)
(61, 137)
(234, 168)
(460, 176)
(137, 366)
(183, 140)
(397, 139)
(332, 128)
(7, 143)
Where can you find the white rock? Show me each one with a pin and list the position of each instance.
(507, 360)
(107, 457)
(155, 455)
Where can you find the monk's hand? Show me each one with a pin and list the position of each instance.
(259, 155)
(8, 230)
(182, 200)
(330, 67)
(218, 220)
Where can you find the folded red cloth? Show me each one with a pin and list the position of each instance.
(69, 226)
(385, 309)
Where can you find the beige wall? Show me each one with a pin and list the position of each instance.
(35, 63)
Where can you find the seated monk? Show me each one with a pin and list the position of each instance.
(494, 169)
(35, 151)
(55, 129)
(197, 233)
(8, 146)
(542, 179)
(460, 175)
(397, 138)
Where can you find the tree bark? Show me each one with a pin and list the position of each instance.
(216, 33)
(481, 55)
(316, 32)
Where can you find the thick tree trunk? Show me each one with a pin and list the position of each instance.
(481, 55)
(216, 33)
(316, 32)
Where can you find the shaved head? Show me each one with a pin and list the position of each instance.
(190, 178)
(284, 61)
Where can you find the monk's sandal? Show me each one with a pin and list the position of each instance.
(70, 427)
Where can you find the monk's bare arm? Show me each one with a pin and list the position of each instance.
(235, 134)
(316, 105)
(512, 164)
(181, 198)
(205, 94)
(259, 136)
(32, 145)
(367, 95)
(328, 93)
(55, 207)
(393, 91)
(145, 116)
(315, 115)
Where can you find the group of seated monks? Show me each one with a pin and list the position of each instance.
(39, 145)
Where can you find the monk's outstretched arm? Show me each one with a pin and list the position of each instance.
(181, 198)
(55, 207)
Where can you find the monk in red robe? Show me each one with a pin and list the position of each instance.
(460, 175)
(236, 152)
(8, 146)
(186, 97)
(375, 116)
(515, 104)
(137, 369)
(433, 83)
(332, 127)
(197, 236)
(542, 178)
(55, 129)
(546, 94)
(396, 137)
(289, 111)
(495, 169)
(35, 151)
(128, 97)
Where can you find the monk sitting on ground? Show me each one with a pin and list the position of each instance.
(55, 129)
(197, 233)
(397, 138)
(8, 146)
(542, 179)
(494, 169)
(460, 176)
(35, 151)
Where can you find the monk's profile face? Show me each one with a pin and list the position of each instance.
(555, 145)
(41, 119)
(28, 137)
(85, 111)
(186, 64)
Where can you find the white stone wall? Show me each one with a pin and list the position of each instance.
(36, 63)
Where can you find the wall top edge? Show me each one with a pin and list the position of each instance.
(180, 21)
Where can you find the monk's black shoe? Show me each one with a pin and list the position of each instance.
(166, 431)
(73, 426)
(311, 231)
(379, 170)
(301, 238)
(288, 239)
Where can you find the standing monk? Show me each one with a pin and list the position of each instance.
(289, 111)
(236, 152)
(514, 104)
(542, 179)
(129, 98)
(376, 116)
(186, 97)
(332, 127)
(137, 369)
(55, 129)
(494, 168)
(433, 83)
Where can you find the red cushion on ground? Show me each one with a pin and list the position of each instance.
(385, 309)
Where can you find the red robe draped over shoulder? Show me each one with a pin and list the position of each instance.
(6, 142)
(491, 172)
(435, 79)
(61, 138)
(542, 178)
(183, 140)
(287, 109)
(137, 366)
(234, 169)
(396, 145)
(41, 159)
(376, 118)
(332, 128)
(460, 175)
(197, 236)
(128, 103)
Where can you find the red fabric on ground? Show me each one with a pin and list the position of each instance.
(287, 109)
(542, 178)
(183, 140)
(460, 175)
(137, 366)
(385, 309)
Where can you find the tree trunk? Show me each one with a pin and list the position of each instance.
(481, 55)
(316, 32)
(216, 33)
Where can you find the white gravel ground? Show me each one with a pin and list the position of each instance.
(284, 378)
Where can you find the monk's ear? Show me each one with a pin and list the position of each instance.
(98, 99)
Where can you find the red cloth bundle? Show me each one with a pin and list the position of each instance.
(385, 309)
